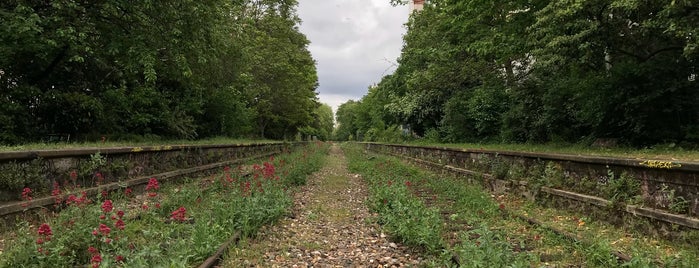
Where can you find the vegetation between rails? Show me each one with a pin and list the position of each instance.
(487, 235)
(175, 225)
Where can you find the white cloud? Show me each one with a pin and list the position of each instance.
(354, 43)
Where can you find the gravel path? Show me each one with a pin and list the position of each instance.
(331, 227)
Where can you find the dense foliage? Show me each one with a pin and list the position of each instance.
(176, 69)
(540, 71)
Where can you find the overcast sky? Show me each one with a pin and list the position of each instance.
(354, 42)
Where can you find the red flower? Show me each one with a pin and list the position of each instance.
(104, 194)
(45, 230)
(144, 206)
(92, 250)
(39, 241)
(157, 205)
(107, 206)
(179, 214)
(102, 217)
(120, 224)
(73, 175)
(119, 258)
(407, 183)
(152, 184)
(127, 192)
(120, 213)
(26, 194)
(152, 194)
(96, 260)
(71, 199)
(502, 206)
(104, 229)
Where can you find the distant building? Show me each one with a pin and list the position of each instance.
(417, 5)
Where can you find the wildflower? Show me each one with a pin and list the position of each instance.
(96, 260)
(120, 224)
(94, 232)
(268, 171)
(152, 194)
(104, 194)
(73, 175)
(127, 192)
(502, 206)
(102, 217)
(26, 194)
(408, 184)
(39, 241)
(56, 192)
(92, 250)
(119, 258)
(45, 230)
(152, 184)
(100, 178)
(179, 214)
(104, 229)
(107, 206)
(144, 207)
(157, 205)
(71, 199)
(108, 240)
(120, 213)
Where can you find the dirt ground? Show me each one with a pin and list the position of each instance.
(331, 227)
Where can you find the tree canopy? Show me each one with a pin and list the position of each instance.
(543, 71)
(176, 69)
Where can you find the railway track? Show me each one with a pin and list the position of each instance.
(514, 217)
(259, 174)
(675, 186)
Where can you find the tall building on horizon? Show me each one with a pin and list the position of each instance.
(417, 5)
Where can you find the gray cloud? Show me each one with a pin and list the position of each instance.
(354, 43)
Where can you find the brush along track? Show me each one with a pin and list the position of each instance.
(523, 239)
(24, 206)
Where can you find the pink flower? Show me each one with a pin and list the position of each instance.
(107, 206)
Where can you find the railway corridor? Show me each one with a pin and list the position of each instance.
(331, 226)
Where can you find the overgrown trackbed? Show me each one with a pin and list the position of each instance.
(331, 227)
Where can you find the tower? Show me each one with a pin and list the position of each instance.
(417, 5)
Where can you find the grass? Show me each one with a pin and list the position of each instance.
(659, 152)
(107, 144)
